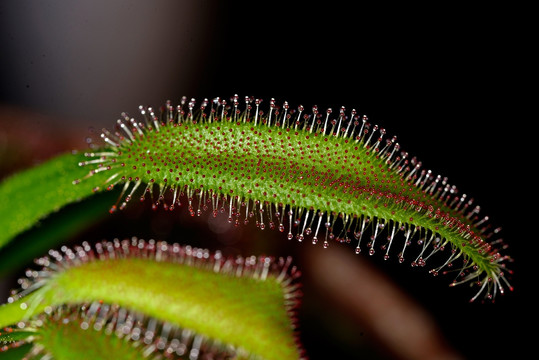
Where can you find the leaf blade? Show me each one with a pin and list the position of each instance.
(31, 195)
(241, 303)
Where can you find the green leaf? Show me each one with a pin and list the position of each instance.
(242, 302)
(9, 335)
(66, 340)
(54, 230)
(13, 342)
(31, 195)
(16, 353)
(317, 176)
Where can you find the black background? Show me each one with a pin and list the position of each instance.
(450, 82)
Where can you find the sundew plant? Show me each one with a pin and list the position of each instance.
(317, 175)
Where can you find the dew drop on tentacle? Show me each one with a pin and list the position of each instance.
(290, 236)
(301, 236)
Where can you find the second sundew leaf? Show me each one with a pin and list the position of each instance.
(320, 176)
(247, 303)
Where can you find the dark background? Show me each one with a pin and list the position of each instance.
(448, 81)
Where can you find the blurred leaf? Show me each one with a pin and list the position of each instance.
(246, 303)
(16, 353)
